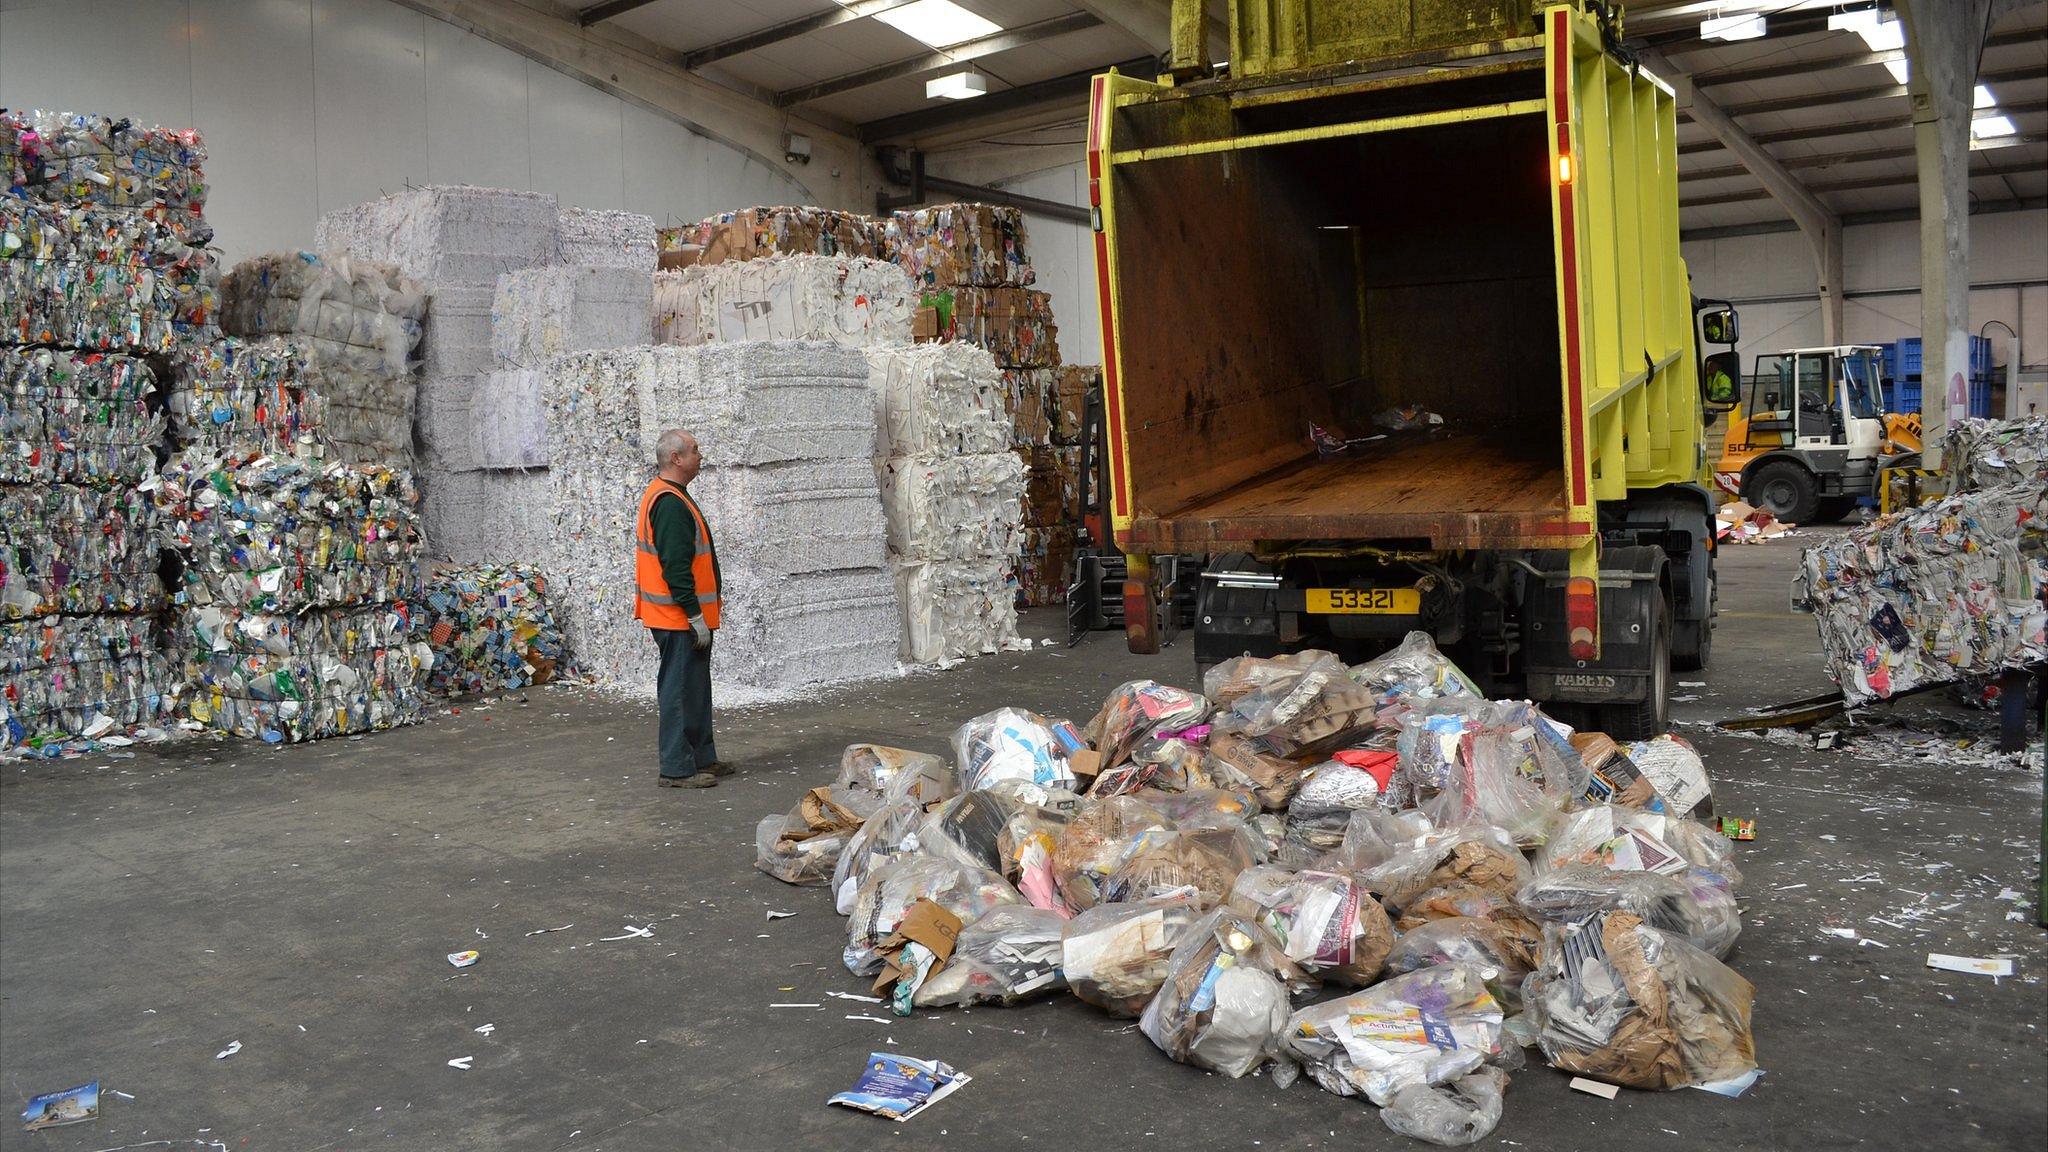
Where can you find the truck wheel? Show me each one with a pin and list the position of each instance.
(1785, 490)
(1695, 639)
(1644, 719)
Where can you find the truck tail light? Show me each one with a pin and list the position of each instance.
(1582, 617)
(1564, 154)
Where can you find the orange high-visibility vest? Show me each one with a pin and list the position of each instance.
(654, 606)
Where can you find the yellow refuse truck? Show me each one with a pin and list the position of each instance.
(1452, 226)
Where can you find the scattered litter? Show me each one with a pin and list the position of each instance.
(1826, 741)
(233, 1047)
(544, 931)
(56, 1109)
(1595, 1088)
(900, 1087)
(484, 1029)
(1973, 965)
(796, 1005)
(876, 1019)
(121, 1094)
(462, 1062)
(1738, 828)
(1844, 933)
(780, 915)
(856, 996)
(631, 933)
(464, 959)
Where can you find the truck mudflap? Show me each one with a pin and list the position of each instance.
(1631, 592)
(1236, 611)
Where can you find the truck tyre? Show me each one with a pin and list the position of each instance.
(1785, 489)
(1647, 718)
(1692, 645)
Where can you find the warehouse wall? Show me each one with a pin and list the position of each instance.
(1771, 278)
(311, 105)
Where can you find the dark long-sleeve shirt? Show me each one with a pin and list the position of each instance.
(675, 545)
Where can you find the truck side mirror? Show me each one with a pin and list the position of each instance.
(1721, 326)
(1718, 374)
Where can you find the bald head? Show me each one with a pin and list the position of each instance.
(676, 456)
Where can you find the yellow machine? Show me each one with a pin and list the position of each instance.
(1812, 434)
(1341, 227)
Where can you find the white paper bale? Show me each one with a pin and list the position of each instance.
(596, 238)
(783, 633)
(444, 424)
(541, 313)
(448, 235)
(854, 301)
(508, 428)
(484, 517)
(954, 610)
(803, 516)
(953, 507)
(759, 403)
(937, 400)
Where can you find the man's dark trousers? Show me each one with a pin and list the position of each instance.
(683, 691)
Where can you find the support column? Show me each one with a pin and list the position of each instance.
(1944, 43)
(1820, 224)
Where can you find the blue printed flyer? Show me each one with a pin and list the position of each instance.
(900, 1087)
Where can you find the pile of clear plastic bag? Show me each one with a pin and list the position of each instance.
(1010, 955)
(1115, 956)
(1620, 1001)
(1325, 921)
(76, 418)
(962, 889)
(1224, 1001)
(803, 847)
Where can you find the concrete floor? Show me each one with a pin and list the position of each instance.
(302, 900)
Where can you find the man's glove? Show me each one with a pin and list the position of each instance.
(701, 632)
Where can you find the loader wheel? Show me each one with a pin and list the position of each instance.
(1647, 718)
(1785, 490)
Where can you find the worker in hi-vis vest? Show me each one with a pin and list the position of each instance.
(675, 573)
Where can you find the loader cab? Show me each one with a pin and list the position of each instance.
(1813, 429)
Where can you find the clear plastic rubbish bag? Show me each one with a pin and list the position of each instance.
(966, 891)
(1242, 763)
(1264, 693)
(876, 768)
(1207, 860)
(1412, 674)
(1116, 955)
(1010, 955)
(1464, 1111)
(1470, 941)
(1010, 744)
(1102, 835)
(1469, 761)
(1427, 1028)
(1695, 905)
(1619, 1001)
(1224, 1001)
(1137, 709)
(1629, 839)
(1478, 857)
(803, 847)
(1326, 922)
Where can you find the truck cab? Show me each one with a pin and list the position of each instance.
(1811, 433)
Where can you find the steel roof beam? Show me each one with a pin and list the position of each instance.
(607, 10)
(787, 30)
(939, 58)
(1071, 87)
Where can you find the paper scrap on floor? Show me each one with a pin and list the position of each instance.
(900, 1087)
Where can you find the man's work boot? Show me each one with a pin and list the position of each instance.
(700, 780)
(717, 768)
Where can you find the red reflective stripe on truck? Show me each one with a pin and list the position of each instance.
(1112, 395)
(1568, 248)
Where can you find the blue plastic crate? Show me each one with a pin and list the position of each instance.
(1980, 396)
(1902, 396)
(1906, 363)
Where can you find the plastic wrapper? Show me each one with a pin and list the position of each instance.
(1476, 857)
(361, 313)
(1135, 710)
(1461, 1112)
(1411, 674)
(1695, 904)
(803, 847)
(1234, 761)
(879, 771)
(100, 279)
(1009, 744)
(1105, 832)
(950, 244)
(63, 678)
(604, 238)
(76, 418)
(1256, 695)
(1010, 955)
(491, 629)
(957, 508)
(1014, 325)
(279, 535)
(77, 549)
(963, 890)
(1675, 770)
(753, 233)
(1620, 1001)
(1625, 839)
(1983, 454)
(1206, 860)
(1224, 1001)
(1934, 594)
(1116, 955)
(69, 158)
(1325, 921)
(319, 673)
(852, 301)
(1427, 1028)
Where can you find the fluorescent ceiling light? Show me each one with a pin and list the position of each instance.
(1900, 70)
(1986, 126)
(1732, 27)
(939, 23)
(958, 86)
(1857, 21)
(1983, 98)
(1883, 35)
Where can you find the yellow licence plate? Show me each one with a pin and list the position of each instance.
(1340, 601)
